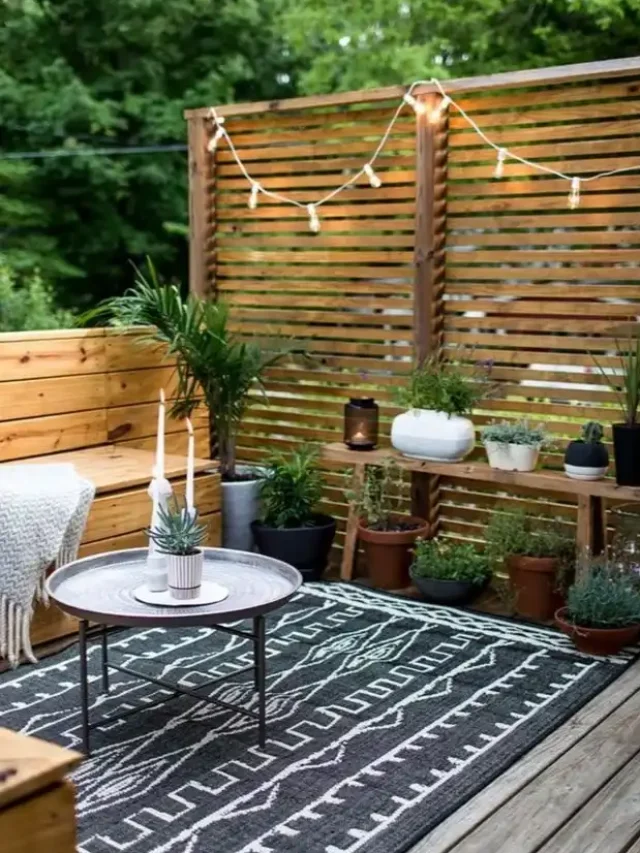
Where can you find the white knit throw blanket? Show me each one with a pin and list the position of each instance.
(43, 512)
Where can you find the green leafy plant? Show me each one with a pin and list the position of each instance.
(27, 303)
(291, 489)
(178, 532)
(604, 599)
(518, 534)
(442, 387)
(625, 380)
(519, 432)
(378, 496)
(211, 360)
(446, 559)
(591, 432)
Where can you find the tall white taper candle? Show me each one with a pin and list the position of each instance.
(189, 494)
(160, 438)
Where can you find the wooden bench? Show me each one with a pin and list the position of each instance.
(592, 496)
(90, 397)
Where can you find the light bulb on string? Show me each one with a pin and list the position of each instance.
(374, 179)
(314, 221)
(574, 195)
(438, 111)
(253, 197)
(498, 172)
(418, 107)
(217, 136)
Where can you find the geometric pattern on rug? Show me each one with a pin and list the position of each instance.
(384, 716)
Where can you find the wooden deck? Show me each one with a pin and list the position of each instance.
(578, 791)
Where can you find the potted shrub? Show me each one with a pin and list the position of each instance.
(387, 535)
(536, 557)
(179, 536)
(513, 446)
(624, 381)
(439, 400)
(291, 530)
(602, 613)
(587, 458)
(449, 572)
(211, 362)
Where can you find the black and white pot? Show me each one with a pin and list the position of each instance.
(586, 460)
(450, 592)
(185, 574)
(626, 448)
(240, 506)
(306, 548)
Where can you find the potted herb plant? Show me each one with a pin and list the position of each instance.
(386, 533)
(602, 613)
(587, 458)
(513, 446)
(624, 381)
(291, 529)
(439, 400)
(179, 536)
(449, 572)
(213, 363)
(536, 556)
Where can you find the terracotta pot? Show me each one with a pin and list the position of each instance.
(597, 641)
(533, 581)
(389, 552)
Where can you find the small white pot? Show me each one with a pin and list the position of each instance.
(185, 574)
(240, 506)
(427, 434)
(512, 457)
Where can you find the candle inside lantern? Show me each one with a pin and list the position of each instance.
(361, 423)
(189, 493)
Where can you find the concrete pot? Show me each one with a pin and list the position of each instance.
(240, 506)
(427, 434)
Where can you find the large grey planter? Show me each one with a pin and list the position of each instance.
(240, 506)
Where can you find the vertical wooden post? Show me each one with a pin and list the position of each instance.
(199, 224)
(429, 263)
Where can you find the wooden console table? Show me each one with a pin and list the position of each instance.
(591, 494)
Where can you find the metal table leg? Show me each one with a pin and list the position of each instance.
(260, 676)
(84, 687)
(105, 661)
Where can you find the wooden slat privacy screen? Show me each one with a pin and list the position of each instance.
(442, 255)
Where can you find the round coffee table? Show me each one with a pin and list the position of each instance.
(101, 589)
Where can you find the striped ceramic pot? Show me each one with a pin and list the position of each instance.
(185, 574)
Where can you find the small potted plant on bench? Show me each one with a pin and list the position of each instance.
(449, 572)
(291, 529)
(587, 458)
(536, 556)
(179, 537)
(603, 611)
(387, 534)
(513, 446)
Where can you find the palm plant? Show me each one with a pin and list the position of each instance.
(210, 359)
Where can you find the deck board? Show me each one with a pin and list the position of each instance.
(490, 820)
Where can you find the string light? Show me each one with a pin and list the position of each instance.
(574, 195)
(420, 108)
(253, 198)
(374, 180)
(314, 221)
(502, 156)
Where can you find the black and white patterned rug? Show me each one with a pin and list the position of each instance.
(385, 715)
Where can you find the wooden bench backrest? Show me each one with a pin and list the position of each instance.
(70, 389)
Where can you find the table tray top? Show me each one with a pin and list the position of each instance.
(100, 589)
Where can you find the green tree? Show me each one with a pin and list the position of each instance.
(28, 303)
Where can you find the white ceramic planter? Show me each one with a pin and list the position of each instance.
(240, 506)
(426, 434)
(582, 472)
(185, 574)
(512, 457)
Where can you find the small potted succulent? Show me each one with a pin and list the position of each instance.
(513, 446)
(587, 458)
(291, 529)
(386, 533)
(449, 572)
(439, 400)
(536, 556)
(602, 613)
(179, 537)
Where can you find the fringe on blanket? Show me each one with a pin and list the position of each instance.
(15, 623)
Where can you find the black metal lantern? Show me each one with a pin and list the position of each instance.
(361, 423)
